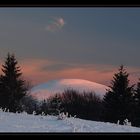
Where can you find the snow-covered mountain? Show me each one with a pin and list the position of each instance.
(44, 90)
(14, 122)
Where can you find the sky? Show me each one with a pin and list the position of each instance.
(87, 42)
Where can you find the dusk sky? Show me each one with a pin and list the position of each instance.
(86, 43)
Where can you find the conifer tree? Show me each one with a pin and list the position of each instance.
(12, 87)
(118, 101)
(137, 103)
(137, 94)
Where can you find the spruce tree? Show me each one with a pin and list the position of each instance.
(137, 103)
(12, 87)
(137, 94)
(118, 101)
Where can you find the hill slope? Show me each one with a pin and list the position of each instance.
(58, 86)
(11, 122)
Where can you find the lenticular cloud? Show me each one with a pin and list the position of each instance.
(56, 24)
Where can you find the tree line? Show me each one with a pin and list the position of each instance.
(121, 101)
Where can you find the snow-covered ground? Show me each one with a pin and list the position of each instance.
(11, 122)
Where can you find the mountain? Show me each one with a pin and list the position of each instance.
(44, 90)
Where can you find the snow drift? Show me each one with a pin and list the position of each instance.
(14, 122)
(44, 90)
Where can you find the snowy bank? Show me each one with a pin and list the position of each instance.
(11, 122)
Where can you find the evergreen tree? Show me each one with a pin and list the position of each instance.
(137, 103)
(137, 94)
(118, 101)
(12, 87)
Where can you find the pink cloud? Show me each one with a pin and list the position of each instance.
(97, 73)
(33, 71)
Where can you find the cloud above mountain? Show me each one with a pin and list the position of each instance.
(42, 70)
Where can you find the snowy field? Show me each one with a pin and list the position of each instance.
(11, 122)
